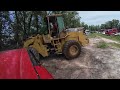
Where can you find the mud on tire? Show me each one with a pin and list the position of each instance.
(71, 49)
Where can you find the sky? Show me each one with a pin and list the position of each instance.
(98, 17)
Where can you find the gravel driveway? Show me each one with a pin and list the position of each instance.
(93, 63)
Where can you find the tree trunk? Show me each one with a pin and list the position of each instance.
(29, 24)
(37, 27)
(0, 35)
(17, 28)
(24, 23)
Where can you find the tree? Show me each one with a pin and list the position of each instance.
(103, 26)
(115, 23)
(108, 24)
(4, 28)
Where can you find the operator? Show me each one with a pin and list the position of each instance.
(51, 26)
(54, 29)
(55, 26)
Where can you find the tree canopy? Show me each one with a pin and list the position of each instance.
(107, 25)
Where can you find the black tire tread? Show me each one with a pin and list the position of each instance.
(66, 47)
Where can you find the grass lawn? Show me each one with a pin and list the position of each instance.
(103, 44)
(93, 35)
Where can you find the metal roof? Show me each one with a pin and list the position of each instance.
(54, 15)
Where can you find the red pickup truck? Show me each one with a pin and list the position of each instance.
(111, 31)
(16, 64)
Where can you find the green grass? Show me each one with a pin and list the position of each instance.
(114, 45)
(102, 45)
(115, 38)
(92, 35)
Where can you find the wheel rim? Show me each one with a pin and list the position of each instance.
(73, 50)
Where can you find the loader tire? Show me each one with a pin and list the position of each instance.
(71, 49)
(34, 56)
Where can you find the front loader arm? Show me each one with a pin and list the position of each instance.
(28, 42)
(37, 44)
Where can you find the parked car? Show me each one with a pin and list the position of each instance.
(111, 31)
(117, 34)
(87, 32)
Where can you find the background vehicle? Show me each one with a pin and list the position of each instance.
(111, 31)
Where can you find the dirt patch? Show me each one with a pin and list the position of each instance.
(110, 58)
(83, 67)
(93, 63)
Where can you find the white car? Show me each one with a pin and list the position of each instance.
(103, 32)
(117, 34)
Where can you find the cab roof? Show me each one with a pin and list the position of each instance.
(53, 15)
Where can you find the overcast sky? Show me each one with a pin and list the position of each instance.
(98, 17)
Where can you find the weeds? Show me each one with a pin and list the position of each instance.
(114, 45)
(93, 35)
(102, 45)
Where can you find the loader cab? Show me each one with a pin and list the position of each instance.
(55, 24)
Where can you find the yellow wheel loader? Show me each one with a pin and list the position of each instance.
(56, 39)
